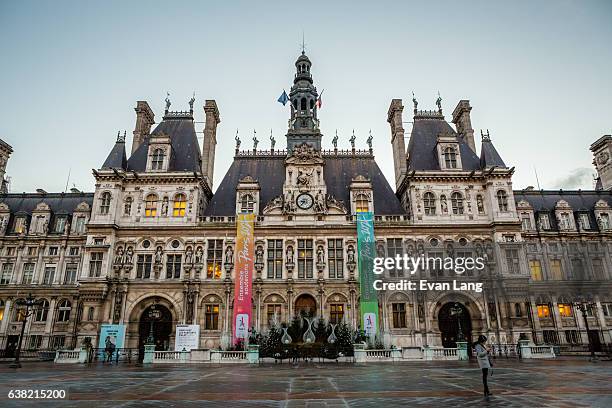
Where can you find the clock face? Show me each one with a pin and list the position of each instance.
(304, 201)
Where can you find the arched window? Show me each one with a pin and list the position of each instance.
(127, 206)
(362, 203)
(63, 314)
(502, 200)
(41, 311)
(247, 204)
(457, 203)
(1, 309)
(450, 158)
(151, 205)
(179, 205)
(429, 203)
(157, 162)
(105, 201)
(19, 310)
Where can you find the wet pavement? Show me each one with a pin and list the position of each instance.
(544, 383)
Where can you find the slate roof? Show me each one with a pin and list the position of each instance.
(489, 156)
(117, 158)
(270, 172)
(186, 154)
(59, 203)
(422, 153)
(544, 201)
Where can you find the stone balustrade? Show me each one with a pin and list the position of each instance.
(67, 356)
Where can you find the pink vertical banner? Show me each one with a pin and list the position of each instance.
(245, 252)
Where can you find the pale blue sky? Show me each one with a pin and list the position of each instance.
(537, 75)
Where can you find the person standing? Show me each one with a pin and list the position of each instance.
(482, 354)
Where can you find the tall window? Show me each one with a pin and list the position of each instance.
(211, 317)
(604, 221)
(157, 163)
(20, 311)
(395, 247)
(565, 310)
(512, 260)
(305, 261)
(273, 312)
(71, 273)
(28, 273)
(95, 264)
(565, 221)
(429, 203)
(536, 270)
(151, 205)
(60, 224)
(361, 203)
(7, 273)
(399, 315)
(173, 266)
(480, 204)
(336, 313)
(127, 206)
(180, 204)
(583, 219)
(247, 204)
(543, 311)
(335, 258)
(143, 266)
(502, 200)
(518, 312)
(105, 201)
(598, 269)
(79, 226)
(457, 203)
(275, 259)
(63, 314)
(41, 311)
(214, 258)
(2, 309)
(49, 275)
(578, 268)
(544, 221)
(450, 158)
(555, 269)
(525, 222)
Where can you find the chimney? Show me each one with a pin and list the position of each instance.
(394, 117)
(210, 140)
(602, 159)
(145, 118)
(461, 119)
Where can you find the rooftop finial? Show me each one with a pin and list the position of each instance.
(272, 140)
(168, 103)
(485, 136)
(369, 141)
(121, 138)
(352, 140)
(237, 139)
(335, 140)
(415, 103)
(255, 141)
(191, 101)
(439, 103)
(303, 44)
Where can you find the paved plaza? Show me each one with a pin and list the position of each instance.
(558, 383)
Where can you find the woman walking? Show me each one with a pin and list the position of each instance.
(483, 361)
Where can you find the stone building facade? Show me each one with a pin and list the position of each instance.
(153, 235)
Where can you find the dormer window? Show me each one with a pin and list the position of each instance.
(247, 204)
(429, 203)
(457, 203)
(604, 221)
(151, 205)
(502, 200)
(179, 205)
(565, 221)
(20, 223)
(544, 221)
(361, 203)
(105, 201)
(157, 162)
(450, 158)
(60, 225)
(583, 220)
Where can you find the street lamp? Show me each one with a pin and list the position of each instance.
(154, 314)
(583, 305)
(457, 310)
(29, 303)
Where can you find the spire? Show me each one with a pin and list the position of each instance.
(117, 159)
(488, 154)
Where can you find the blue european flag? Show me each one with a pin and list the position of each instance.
(283, 98)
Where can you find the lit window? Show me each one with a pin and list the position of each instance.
(565, 310)
(336, 313)
(211, 317)
(429, 203)
(536, 270)
(450, 158)
(502, 200)
(63, 314)
(1, 309)
(151, 205)
(19, 225)
(20, 311)
(543, 311)
(214, 256)
(247, 204)
(361, 203)
(179, 205)
(157, 163)
(275, 259)
(457, 203)
(105, 201)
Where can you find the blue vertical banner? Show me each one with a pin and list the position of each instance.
(112, 337)
(366, 244)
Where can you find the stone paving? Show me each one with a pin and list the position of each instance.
(550, 383)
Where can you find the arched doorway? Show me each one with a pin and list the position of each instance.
(452, 316)
(155, 321)
(305, 305)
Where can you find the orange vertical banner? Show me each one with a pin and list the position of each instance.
(245, 254)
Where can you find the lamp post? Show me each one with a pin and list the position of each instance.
(583, 306)
(457, 310)
(154, 314)
(29, 303)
